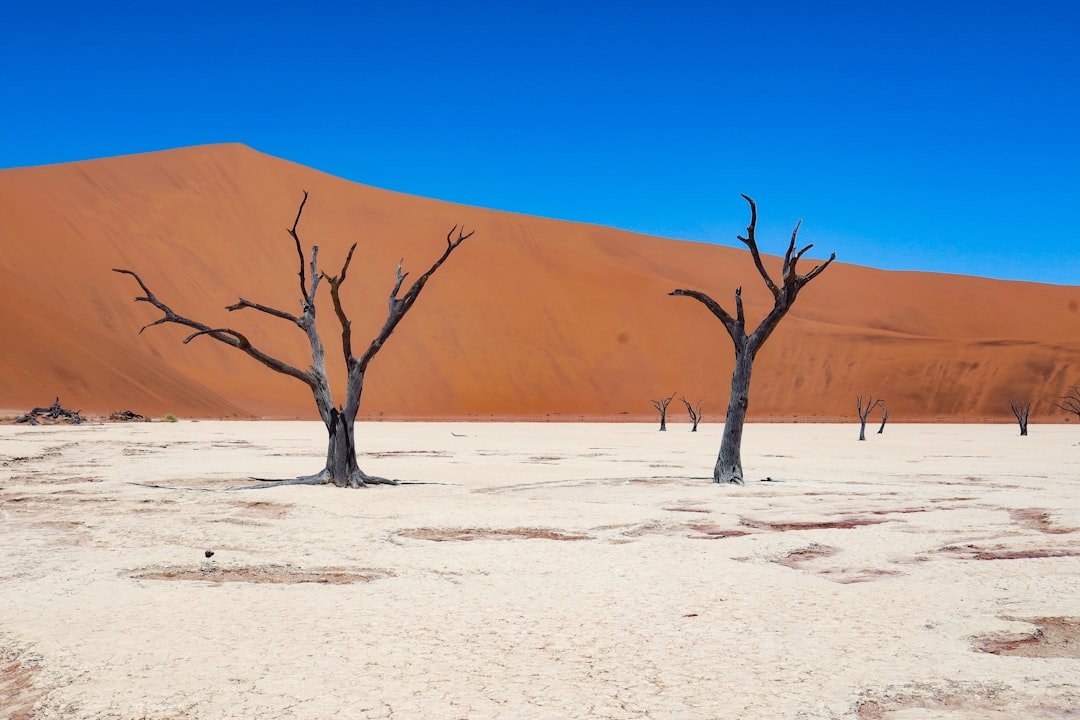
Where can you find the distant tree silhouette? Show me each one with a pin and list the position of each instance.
(884, 417)
(341, 467)
(864, 412)
(728, 467)
(1021, 411)
(661, 407)
(694, 412)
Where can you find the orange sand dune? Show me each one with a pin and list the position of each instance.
(532, 318)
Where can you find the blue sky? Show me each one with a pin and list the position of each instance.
(927, 136)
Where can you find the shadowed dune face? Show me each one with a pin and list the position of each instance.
(532, 318)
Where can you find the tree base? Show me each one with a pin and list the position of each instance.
(356, 479)
(734, 477)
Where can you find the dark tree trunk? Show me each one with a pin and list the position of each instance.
(862, 428)
(884, 419)
(729, 463)
(341, 462)
(1021, 411)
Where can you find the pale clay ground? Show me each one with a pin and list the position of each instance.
(656, 614)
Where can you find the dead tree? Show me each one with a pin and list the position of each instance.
(661, 407)
(864, 411)
(729, 462)
(884, 417)
(1070, 402)
(341, 466)
(694, 412)
(53, 414)
(1021, 410)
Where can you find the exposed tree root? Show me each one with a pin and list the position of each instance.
(320, 478)
(361, 479)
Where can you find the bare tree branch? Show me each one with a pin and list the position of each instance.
(242, 304)
(1070, 401)
(751, 242)
(398, 306)
(714, 308)
(299, 247)
(804, 279)
(223, 335)
(335, 294)
(788, 264)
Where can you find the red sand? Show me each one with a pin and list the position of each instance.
(532, 318)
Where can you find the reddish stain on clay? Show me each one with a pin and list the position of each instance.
(1037, 519)
(1053, 637)
(842, 524)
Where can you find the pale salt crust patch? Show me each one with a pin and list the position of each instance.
(559, 571)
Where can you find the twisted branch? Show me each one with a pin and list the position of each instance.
(751, 242)
(336, 282)
(227, 336)
(398, 306)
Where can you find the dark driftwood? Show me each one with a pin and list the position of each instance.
(694, 412)
(884, 418)
(661, 407)
(127, 416)
(1021, 410)
(865, 409)
(341, 466)
(55, 413)
(1070, 402)
(729, 462)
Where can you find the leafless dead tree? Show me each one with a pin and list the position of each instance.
(1070, 402)
(728, 467)
(864, 412)
(884, 417)
(694, 412)
(341, 466)
(661, 407)
(1021, 410)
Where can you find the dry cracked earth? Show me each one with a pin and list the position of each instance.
(541, 571)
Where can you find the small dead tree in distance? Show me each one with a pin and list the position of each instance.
(341, 466)
(1070, 402)
(661, 407)
(728, 467)
(864, 412)
(1021, 410)
(884, 417)
(694, 412)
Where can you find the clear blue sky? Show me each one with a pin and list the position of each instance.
(922, 135)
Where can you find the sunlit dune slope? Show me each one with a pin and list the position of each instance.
(531, 318)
